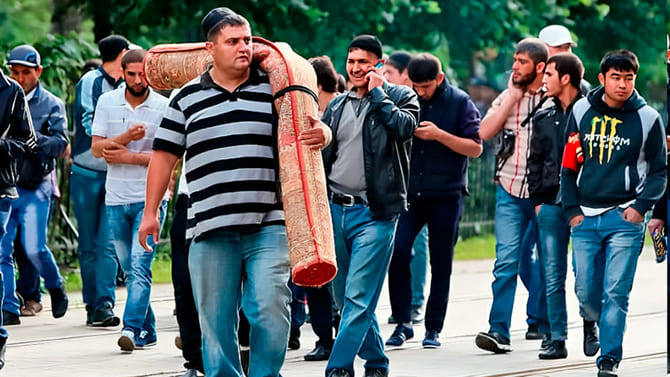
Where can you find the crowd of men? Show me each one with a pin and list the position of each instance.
(395, 146)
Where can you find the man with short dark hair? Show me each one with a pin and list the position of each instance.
(30, 212)
(97, 261)
(395, 68)
(614, 137)
(447, 135)
(223, 120)
(122, 132)
(367, 171)
(562, 76)
(511, 113)
(17, 137)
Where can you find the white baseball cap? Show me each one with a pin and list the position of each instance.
(556, 35)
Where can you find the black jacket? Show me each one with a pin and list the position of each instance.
(17, 135)
(624, 155)
(436, 171)
(387, 141)
(546, 153)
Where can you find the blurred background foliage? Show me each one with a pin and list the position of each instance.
(473, 38)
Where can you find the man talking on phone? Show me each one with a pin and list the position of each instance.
(367, 170)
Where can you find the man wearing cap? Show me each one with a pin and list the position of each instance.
(558, 39)
(223, 120)
(31, 210)
(17, 137)
(367, 171)
(395, 72)
(87, 188)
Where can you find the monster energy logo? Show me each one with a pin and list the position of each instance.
(602, 140)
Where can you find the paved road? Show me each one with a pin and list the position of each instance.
(43, 346)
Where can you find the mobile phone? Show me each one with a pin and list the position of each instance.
(380, 64)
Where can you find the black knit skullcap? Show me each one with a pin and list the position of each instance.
(215, 16)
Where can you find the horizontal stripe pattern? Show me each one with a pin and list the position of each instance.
(229, 150)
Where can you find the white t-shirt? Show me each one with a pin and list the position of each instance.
(113, 115)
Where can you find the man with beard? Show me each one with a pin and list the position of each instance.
(125, 122)
(511, 113)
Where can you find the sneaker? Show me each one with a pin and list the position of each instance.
(430, 341)
(319, 353)
(89, 315)
(146, 340)
(104, 316)
(400, 335)
(9, 318)
(555, 351)
(417, 314)
(127, 340)
(533, 332)
(338, 372)
(376, 372)
(608, 367)
(59, 301)
(493, 342)
(591, 343)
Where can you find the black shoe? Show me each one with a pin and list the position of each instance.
(3, 348)
(89, 315)
(376, 372)
(591, 343)
(546, 342)
(294, 339)
(319, 353)
(391, 320)
(555, 351)
(607, 367)
(493, 342)
(9, 318)
(104, 316)
(337, 372)
(533, 333)
(59, 301)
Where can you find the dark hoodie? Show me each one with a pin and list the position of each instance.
(624, 155)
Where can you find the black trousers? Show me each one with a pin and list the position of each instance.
(187, 315)
(442, 216)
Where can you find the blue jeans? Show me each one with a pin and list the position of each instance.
(532, 278)
(5, 207)
(418, 267)
(363, 247)
(553, 253)
(511, 221)
(124, 223)
(31, 212)
(605, 250)
(97, 259)
(253, 268)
